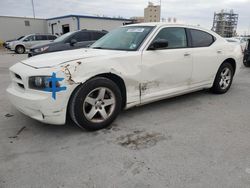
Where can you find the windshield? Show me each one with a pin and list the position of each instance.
(20, 38)
(123, 38)
(63, 37)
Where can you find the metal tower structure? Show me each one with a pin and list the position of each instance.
(225, 23)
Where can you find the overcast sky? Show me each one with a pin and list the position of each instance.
(186, 11)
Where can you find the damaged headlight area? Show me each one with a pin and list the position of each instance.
(41, 82)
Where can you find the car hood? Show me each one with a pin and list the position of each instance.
(53, 59)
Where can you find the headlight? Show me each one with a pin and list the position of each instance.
(37, 50)
(41, 82)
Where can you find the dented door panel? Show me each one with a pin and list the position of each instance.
(164, 72)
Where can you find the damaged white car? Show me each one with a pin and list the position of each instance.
(130, 66)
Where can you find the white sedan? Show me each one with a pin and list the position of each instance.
(130, 66)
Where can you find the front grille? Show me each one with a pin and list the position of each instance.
(20, 85)
(18, 76)
(17, 80)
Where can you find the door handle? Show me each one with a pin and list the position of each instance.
(219, 51)
(187, 54)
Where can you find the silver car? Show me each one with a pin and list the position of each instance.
(23, 45)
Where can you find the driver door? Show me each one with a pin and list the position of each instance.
(168, 70)
(30, 41)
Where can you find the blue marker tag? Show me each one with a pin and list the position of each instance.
(53, 87)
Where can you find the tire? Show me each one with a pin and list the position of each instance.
(246, 63)
(20, 49)
(95, 104)
(223, 79)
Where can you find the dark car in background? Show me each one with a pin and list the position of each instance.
(246, 60)
(69, 41)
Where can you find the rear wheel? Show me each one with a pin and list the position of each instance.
(223, 79)
(95, 104)
(246, 63)
(20, 49)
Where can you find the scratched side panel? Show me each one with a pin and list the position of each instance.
(126, 65)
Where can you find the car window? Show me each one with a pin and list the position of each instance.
(98, 35)
(176, 37)
(51, 37)
(41, 37)
(30, 38)
(201, 38)
(82, 36)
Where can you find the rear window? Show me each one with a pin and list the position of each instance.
(201, 38)
(41, 37)
(51, 37)
(82, 36)
(98, 35)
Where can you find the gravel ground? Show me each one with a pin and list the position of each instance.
(196, 140)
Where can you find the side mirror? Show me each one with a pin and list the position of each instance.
(158, 44)
(73, 42)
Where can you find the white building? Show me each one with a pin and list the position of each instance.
(64, 24)
(14, 27)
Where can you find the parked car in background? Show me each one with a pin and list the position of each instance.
(24, 44)
(246, 60)
(239, 40)
(6, 43)
(68, 41)
(130, 66)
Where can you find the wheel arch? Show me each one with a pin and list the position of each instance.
(115, 78)
(19, 45)
(232, 62)
(119, 82)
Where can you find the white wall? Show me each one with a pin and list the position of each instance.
(14, 27)
(72, 21)
(85, 23)
(100, 24)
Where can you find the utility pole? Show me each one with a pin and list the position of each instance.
(33, 8)
(160, 12)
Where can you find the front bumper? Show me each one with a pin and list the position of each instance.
(36, 107)
(36, 104)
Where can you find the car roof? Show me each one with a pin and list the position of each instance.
(164, 24)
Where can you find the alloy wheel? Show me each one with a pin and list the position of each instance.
(99, 105)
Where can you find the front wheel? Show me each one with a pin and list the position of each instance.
(95, 104)
(223, 79)
(20, 49)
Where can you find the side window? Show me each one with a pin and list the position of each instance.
(41, 37)
(51, 37)
(98, 35)
(176, 37)
(82, 36)
(30, 38)
(201, 38)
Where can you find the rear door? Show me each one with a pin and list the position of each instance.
(206, 56)
(41, 39)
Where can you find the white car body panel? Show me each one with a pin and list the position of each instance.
(148, 75)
